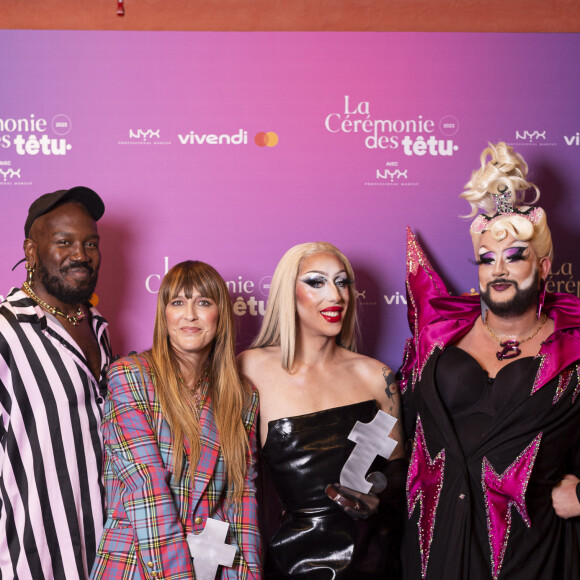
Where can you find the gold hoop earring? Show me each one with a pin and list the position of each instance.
(30, 271)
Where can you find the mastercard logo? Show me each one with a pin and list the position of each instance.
(269, 139)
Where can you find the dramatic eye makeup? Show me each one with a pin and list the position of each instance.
(513, 254)
(516, 253)
(486, 258)
(317, 280)
(343, 281)
(314, 280)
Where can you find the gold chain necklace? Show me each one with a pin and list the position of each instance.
(197, 390)
(510, 348)
(74, 319)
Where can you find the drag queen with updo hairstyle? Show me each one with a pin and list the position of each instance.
(490, 387)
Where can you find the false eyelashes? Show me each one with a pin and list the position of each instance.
(318, 281)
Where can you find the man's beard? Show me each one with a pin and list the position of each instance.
(519, 303)
(67, 294)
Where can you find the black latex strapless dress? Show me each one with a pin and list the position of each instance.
(316, 539)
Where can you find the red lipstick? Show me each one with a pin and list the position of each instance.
(332, 314)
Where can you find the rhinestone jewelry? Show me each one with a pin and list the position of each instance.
(510, 348)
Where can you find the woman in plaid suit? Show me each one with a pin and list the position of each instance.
(179, 436)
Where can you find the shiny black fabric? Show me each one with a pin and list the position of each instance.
(316, 539)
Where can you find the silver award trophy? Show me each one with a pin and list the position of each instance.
(209, 549)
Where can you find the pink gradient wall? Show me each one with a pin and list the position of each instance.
(232, 147)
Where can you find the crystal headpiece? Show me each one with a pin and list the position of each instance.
(484, 222)
(503, 199)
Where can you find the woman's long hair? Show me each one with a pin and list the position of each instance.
(229, 393)
(279, 327)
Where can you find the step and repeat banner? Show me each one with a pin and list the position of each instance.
(232, 147)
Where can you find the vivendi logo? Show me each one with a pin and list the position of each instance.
(240, 137)
(396, 299)
(572, 139)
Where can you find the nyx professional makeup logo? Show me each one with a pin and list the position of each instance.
(531, 135)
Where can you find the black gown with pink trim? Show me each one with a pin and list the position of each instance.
(485, 455)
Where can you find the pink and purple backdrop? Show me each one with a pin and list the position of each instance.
(232, 147)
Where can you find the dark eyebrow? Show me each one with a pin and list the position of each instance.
(324, 273)
(61, 234)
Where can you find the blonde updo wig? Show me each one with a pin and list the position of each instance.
(499, 189)
(504, 173)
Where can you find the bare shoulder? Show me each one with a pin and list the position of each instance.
(379, 381)
(368, 367)
(377, 377)
(255, 362)
(258, 356)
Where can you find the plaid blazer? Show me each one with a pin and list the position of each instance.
(148, 514)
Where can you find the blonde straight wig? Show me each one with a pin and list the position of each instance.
(228, 391)
(279, 327)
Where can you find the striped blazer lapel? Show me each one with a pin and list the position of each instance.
(209, 451)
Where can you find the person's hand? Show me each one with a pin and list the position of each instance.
(564, 499)
(357, 505)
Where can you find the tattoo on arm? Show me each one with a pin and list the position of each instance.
(389, 375)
